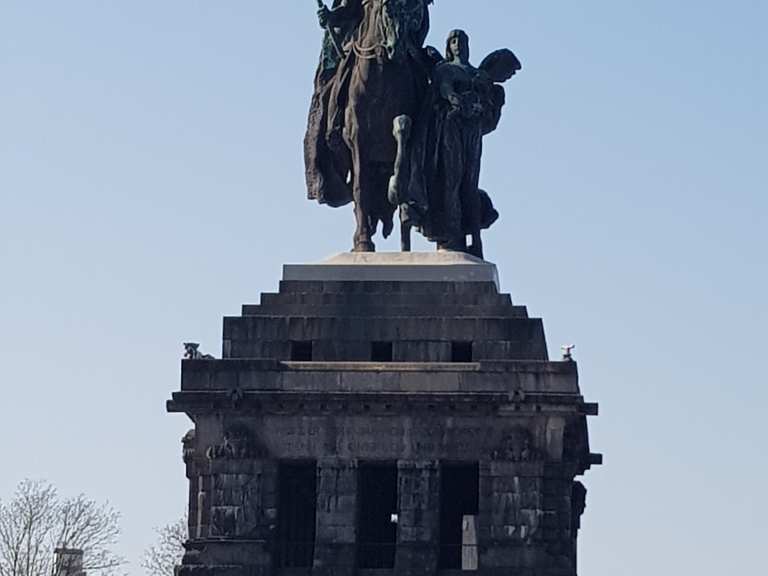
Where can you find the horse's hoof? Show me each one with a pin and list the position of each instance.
(364, 247)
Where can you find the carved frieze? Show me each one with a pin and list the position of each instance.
(517, 446)
(238, 444)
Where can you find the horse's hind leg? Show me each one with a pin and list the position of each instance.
(362, 238)
(361, 189)
(405, 234)
(398, 184)
(401, 130)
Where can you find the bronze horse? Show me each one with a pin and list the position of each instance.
(395, 125)
(386, 80)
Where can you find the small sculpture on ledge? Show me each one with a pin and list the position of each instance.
(192, 352)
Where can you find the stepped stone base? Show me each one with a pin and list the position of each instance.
(414, 363)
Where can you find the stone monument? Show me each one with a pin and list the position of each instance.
(388, 413)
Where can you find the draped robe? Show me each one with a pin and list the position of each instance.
(326, 158)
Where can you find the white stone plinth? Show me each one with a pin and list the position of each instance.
(441, 266)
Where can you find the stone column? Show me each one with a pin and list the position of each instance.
(559, 523)
(336, 532)
(243, 514)
(511, 515)
(200, 507)
(418, 531)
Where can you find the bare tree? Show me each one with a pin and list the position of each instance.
(37, 520)
(160, 559)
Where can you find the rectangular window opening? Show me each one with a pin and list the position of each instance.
(459, 504)
(381, 351)
(461, 351)
(377, 520)
(301, 351)
(297, 502)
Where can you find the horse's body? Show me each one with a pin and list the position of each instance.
(386, 81)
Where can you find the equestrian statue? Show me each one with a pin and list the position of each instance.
(394, 125)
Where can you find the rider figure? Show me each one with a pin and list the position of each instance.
(340, 20)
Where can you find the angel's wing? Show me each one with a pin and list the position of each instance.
(501, 65)
(433, 56)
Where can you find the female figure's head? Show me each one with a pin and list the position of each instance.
(457, 47)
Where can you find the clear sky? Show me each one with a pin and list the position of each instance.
(151, 181)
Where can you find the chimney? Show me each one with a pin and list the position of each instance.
(69, 562)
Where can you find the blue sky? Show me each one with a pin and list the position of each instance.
(151, 181)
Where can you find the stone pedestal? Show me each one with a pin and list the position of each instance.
(395, 267)
(415, 363)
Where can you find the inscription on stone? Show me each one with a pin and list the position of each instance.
(391, 438)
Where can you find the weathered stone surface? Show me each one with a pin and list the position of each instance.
(443, 266)
(509, 410)
(418, 533)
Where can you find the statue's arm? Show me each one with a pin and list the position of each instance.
(445, 81)
(343, 12)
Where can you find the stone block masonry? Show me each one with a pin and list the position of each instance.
(383, 415)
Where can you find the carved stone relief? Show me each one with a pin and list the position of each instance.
(238, 444)
(517, 446)
(188, 446)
